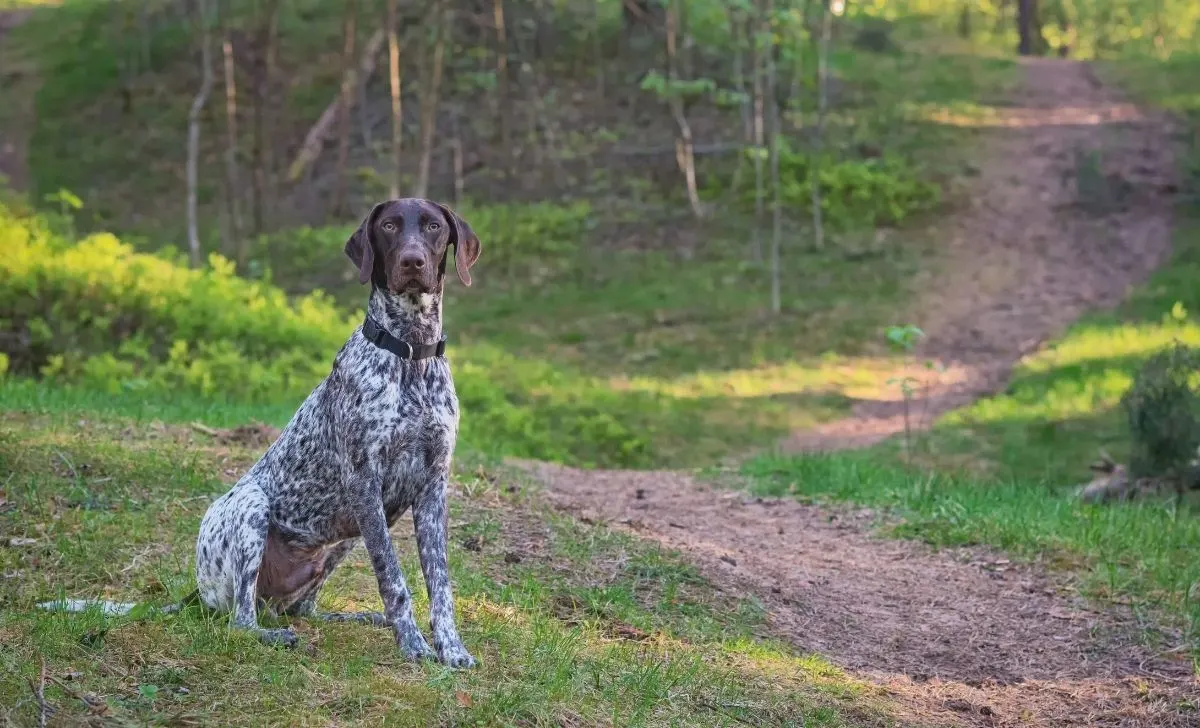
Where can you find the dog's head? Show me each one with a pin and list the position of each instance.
(402, 246)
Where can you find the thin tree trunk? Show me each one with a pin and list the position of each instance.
(739, 84)
(193, 150)
(818, 137)
(262, 153)
(393, 22)
(776, 206)
(341, 181)
(364, 121)
(144, 32)
(597, 49)
(319, 131)
(429, 99)
(459, 182)
(797, 87)
(503, 89)
(1026, 27)
(758, 34)
(684, 146)
(739, 74)
(231, 143)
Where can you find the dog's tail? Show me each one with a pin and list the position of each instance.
(115, 609)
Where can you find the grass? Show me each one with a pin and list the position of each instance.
(1000, 472)
(572, 623)
(1140, 554)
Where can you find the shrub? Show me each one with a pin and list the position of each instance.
(100, 314)
(1163, 412)
(858, 193)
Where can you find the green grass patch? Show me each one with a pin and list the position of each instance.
(115, 328)
(572, 623)
(1141, 553)
(1001, 471)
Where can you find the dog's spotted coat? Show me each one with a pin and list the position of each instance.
(372, 441)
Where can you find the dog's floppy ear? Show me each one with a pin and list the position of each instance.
(465, 242)
(360, 248)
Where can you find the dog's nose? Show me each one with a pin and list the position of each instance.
(412, 261)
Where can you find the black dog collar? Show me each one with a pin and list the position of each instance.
(375, 334)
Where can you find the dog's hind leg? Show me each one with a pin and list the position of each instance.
(229, 551)
(306, 606)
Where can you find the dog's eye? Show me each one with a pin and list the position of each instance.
(434, 227)
(389, 227)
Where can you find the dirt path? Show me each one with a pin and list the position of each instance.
(1026, 257)
(960, 638)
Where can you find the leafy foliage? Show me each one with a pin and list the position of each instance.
(98, 315)
(1163, 412)
(855, 193)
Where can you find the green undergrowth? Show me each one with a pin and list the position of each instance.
(112, 130)
(1002, 472)
(120, 327)
(571, 623)
(1140, 554)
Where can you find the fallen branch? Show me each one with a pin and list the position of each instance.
(39, 692)
(314, 141)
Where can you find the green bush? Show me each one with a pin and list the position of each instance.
(99, 314)
(1162, 408)
(855, 194)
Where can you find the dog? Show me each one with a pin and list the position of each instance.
(372, 441)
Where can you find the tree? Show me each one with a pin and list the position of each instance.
(430, 90)
(776, 205)
(393, 22)
(232, 192)
(685, 153)
(502, 84)
(193, 150)
(760, 36)
(827, 12)
(261, 154)
(1029, 28)
(349, 33)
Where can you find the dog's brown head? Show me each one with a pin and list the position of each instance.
(402, 246)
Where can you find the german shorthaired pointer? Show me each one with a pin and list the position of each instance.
(371, 441)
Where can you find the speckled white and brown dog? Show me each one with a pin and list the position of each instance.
(373, 440)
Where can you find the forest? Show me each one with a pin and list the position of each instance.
(827, 362)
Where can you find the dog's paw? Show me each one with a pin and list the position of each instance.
(285, 637)
(456, 656)
(414, 647)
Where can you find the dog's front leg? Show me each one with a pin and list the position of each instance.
(397, 601)
(429, 521)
